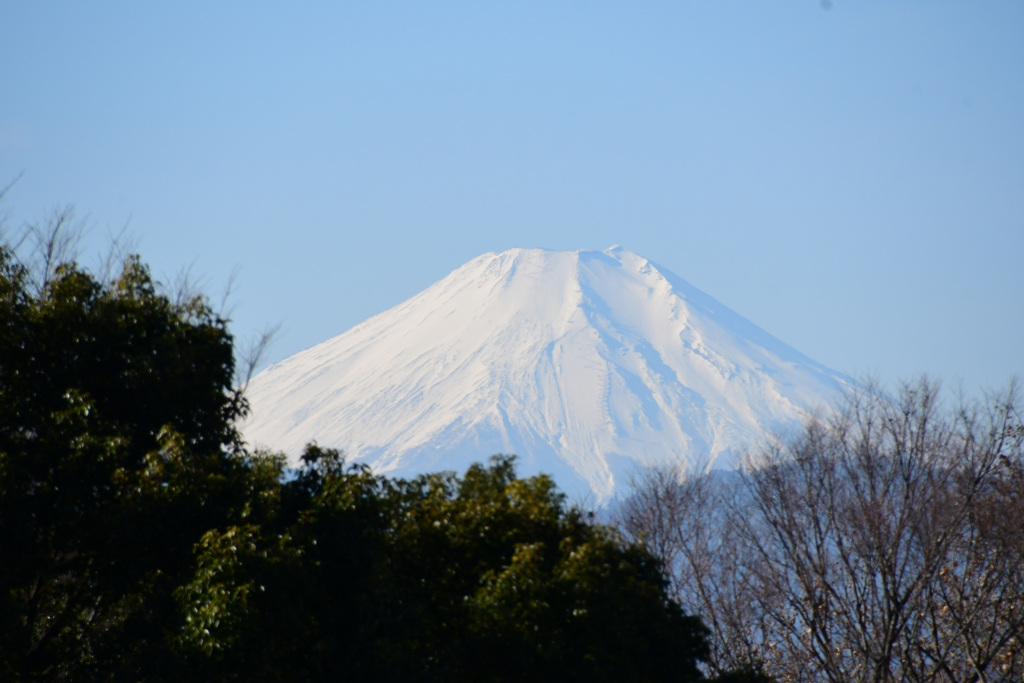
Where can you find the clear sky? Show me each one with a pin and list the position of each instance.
(847, 174)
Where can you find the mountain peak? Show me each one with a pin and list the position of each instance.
(587, 364)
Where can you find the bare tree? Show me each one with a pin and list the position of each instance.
(690, 519)
(885, 543)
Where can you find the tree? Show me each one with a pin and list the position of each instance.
(143, 541)
(538, 590)
(116, 452)
(692, 520)
(484, 577)
(881, 544)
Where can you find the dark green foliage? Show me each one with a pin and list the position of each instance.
(487, 577)
(141, 541)
(116, 416)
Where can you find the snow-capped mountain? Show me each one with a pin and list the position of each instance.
(587, 365)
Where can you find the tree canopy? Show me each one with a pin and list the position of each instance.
(142, 539)
(117, 450)
(480, 577)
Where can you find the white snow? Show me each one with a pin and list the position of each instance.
(586, 364)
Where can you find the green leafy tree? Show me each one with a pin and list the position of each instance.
(519, 586)
(116, 441)
(142, 541)
(485, 577)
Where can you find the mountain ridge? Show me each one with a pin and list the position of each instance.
(586, 364)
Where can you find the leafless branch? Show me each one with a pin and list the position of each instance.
(883, 543)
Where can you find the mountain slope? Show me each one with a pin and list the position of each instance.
(585, 364)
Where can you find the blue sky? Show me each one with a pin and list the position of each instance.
(848, 175)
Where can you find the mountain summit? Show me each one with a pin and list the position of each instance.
(586, 364)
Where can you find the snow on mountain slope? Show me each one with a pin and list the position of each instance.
(586, 364)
